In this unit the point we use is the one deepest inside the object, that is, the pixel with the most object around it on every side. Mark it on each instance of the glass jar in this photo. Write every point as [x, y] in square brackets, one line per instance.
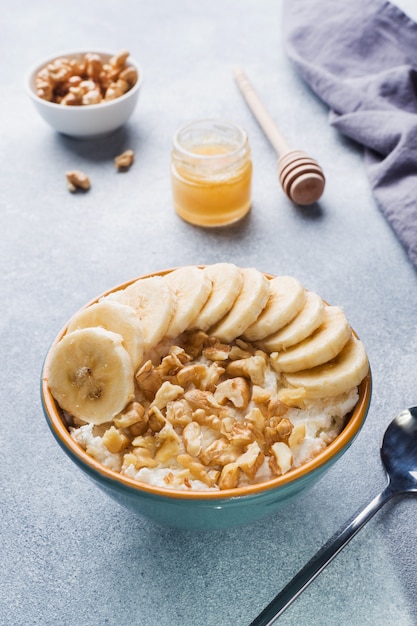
[211, 173]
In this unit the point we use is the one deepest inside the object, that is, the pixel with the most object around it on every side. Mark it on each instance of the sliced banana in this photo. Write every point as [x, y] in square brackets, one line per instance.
[91, 374]
[247, 307]
[322, 346]
[154, 303]
[303, 325]
[227, 280]
[286, 299]
[117, 317]
[191, 287]
[344, 372]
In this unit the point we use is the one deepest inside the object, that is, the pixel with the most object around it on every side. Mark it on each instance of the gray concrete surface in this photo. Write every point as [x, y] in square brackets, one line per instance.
[69, 555]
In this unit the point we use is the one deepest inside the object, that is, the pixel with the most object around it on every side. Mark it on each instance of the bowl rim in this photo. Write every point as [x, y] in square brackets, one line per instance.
[31, 72]
[334, 449]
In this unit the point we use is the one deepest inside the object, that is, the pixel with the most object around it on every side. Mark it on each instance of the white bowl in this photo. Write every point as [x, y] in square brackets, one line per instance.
[90, 120]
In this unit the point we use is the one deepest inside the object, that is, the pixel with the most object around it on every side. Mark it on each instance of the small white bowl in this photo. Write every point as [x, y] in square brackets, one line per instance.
[90, 120]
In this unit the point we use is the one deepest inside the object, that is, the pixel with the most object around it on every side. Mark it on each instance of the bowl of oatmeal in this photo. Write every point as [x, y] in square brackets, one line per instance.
[206, 397]
[86, 93]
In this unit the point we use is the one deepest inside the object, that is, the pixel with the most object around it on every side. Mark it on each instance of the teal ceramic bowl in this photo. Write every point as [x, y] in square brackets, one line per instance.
[203, 510]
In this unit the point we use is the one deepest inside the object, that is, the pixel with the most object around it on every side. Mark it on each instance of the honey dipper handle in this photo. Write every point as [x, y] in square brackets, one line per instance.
[260, 112]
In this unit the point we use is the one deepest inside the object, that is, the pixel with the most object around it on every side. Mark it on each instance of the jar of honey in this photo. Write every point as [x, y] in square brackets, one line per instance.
[211, 173]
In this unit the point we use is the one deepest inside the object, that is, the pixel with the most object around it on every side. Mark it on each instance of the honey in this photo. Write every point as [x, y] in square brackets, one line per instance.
[211, 173]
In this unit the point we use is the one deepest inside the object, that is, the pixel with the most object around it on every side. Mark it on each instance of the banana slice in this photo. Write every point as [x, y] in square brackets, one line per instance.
[117, 317]
[247, 307]
[335, 377]
[227, 280]
[302, 326]
[91, 374]
[287, 297]
[191, 287]
[154, 303]
[322, 346]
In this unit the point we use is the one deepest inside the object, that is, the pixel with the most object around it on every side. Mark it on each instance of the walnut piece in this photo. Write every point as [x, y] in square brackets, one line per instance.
[77, 180]
[234, 390]
[115, 440]
[124, 161]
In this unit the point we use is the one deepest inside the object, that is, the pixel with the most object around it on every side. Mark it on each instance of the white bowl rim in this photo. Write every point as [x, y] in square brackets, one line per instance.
[68, 53]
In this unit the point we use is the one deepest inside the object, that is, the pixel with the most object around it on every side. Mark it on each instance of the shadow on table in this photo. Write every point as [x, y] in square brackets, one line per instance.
[100, 149]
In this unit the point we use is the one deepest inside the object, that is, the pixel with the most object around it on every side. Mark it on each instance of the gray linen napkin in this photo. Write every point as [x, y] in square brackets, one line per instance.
[360, 58]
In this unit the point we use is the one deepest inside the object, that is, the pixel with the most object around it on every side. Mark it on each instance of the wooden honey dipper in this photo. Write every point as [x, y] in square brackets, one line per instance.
[301, 177]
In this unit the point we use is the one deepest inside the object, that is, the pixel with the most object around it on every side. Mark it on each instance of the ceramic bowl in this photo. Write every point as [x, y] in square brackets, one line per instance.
[203, 510]
[93, 120]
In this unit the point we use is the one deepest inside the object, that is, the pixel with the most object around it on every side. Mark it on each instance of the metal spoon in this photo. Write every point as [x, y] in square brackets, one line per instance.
[399, 457]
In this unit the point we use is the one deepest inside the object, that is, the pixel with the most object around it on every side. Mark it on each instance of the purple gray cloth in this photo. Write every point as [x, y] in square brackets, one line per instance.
[360, 58]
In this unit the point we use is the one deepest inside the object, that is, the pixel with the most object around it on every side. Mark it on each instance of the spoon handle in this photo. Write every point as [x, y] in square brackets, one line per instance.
[319, 561]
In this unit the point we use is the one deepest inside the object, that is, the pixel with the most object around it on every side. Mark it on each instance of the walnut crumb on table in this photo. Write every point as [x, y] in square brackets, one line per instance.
[77, 180]
[124, 161]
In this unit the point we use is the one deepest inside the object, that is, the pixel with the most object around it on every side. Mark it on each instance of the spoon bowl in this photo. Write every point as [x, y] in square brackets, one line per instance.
[399, 457]
[399, 452]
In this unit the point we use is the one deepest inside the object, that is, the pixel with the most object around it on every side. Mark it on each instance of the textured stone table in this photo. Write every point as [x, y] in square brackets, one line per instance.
[69, 556]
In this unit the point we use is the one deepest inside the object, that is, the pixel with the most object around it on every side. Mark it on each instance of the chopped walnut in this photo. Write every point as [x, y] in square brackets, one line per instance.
[240, 434]
[191, 374]
[156, 420]
[192, 438]
[218, 352]
[260, 395]
[166, 393]
[142, 457]
[77, 180]
[179, 413]
[119, 59]
[91, 97]
[148, 442]
[124, 161]
[197, 470]
[207, 419]
[292, 397]
[93, 66]
[297, 435]
[276, 408]
[172, 362]
[229, 478]
[114, 440]
[168, 443]
[205, 400]
[256, 418]
[242, 350]
[194, 343]
[278, 429]
[148, 379]
[252, 367]
[251, 460]
[219, 452]
[133, 413]
[129, 75]
[212, 377]
[234, 390]
[281, 458]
